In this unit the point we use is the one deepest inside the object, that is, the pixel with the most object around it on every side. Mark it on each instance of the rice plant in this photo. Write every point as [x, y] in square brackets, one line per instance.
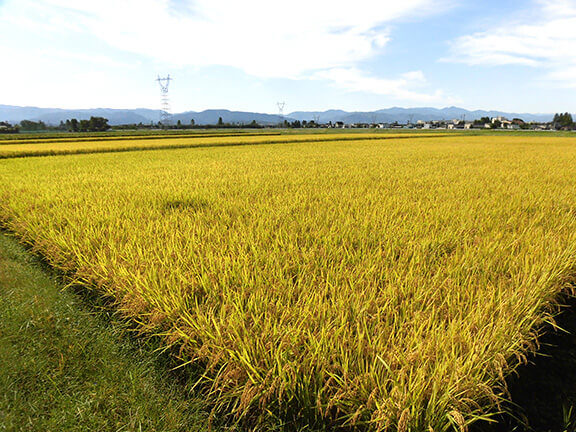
[387, 284]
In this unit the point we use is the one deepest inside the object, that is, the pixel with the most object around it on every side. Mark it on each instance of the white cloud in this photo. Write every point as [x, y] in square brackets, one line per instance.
[93, 59]
[545, 40]
[402, 88]
[261, 37]
[557, 8]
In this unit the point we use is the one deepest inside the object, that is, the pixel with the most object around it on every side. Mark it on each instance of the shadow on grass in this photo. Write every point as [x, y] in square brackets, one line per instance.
[544, 390]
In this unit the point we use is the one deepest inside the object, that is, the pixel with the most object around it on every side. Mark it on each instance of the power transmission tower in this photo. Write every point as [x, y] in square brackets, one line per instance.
[316, 118]
[281, 106]
[165, 116]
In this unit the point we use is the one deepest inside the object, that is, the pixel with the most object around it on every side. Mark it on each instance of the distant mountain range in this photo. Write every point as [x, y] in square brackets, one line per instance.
[403, 115]
[54, 116]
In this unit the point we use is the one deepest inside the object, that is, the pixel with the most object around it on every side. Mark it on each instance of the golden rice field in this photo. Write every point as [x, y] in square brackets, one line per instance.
[78, 137]
[57, 146]
[390, 284]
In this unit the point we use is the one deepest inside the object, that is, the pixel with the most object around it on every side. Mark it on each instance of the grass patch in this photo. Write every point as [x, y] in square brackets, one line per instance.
[65, 367]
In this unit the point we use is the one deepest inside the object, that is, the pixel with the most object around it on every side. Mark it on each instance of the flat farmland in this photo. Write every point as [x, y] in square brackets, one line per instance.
[389, 283]
[10, 148]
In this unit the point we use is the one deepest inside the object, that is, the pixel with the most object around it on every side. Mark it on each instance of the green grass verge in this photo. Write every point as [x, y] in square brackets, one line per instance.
[65, 368]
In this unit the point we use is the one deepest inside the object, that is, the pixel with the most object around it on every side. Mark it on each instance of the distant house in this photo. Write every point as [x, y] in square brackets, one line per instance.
[6, 127]
[500, 119]
[501, 122]
[456, 124]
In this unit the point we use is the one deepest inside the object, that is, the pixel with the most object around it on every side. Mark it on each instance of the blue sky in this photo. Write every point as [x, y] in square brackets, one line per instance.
[364, 55]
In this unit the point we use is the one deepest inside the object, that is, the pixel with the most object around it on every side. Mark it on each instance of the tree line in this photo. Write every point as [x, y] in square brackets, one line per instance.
[94, 124]
[561, 121]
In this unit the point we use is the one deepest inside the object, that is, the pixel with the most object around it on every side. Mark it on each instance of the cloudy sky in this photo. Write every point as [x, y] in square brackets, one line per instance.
[314, 55]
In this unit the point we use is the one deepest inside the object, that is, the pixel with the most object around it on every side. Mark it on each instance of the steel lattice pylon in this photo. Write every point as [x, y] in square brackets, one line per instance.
[165, 116]
[281, 106]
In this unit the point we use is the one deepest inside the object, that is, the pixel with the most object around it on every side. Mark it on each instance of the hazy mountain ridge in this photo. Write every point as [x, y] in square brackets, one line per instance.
[403, 115]
[211, 116]
[54, 116]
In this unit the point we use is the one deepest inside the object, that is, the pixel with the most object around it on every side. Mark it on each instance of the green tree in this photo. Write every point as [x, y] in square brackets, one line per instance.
[563, 121]
[98, 124]
[482, 121]
[73, 125]
[84, 125]
[220, 122]
[29, 125]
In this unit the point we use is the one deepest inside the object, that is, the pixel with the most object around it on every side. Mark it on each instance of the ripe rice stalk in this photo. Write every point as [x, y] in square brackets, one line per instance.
[380, 283]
